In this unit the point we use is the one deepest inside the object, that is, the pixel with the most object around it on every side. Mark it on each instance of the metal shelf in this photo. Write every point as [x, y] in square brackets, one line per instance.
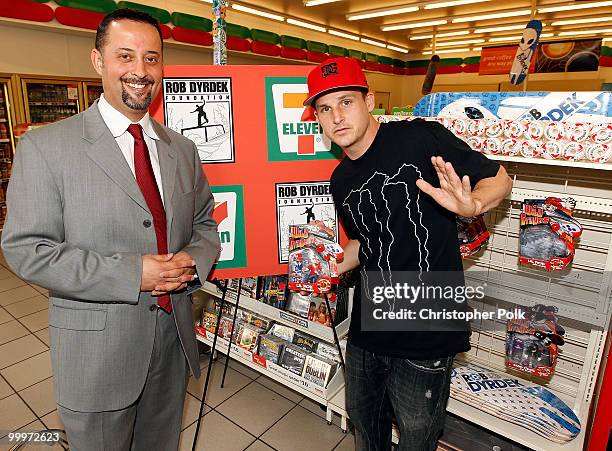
[53, 103]
[318, 330]
[275, 372]
[561, 163]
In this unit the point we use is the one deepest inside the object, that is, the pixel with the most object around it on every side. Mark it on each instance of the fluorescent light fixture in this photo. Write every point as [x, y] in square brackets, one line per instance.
[381, 12]
[573, 33]
[452, 3]
[406, 26]
[494, 29]
[448, 51]
[579, 21]
[310, 26]
[522, 12]
[554, 9]
[246, 9]
[343, 35]
[451, 43]
[476, 49]
[438, 35]
[207, 1]
[518, 38]
[423, 36]
[369, 41]
[318, 2]
[397, 49]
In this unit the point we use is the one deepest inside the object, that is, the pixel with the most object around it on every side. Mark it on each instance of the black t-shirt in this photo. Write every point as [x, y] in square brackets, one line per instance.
[418, 235]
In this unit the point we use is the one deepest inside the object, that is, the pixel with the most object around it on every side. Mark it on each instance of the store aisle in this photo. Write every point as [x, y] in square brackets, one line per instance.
[251, 412]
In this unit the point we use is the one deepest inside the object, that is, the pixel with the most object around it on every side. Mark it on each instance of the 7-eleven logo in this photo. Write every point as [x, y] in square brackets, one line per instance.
[228, 213]
[298, 130]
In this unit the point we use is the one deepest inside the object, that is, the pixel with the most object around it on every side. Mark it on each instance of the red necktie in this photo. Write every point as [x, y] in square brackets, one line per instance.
[146, 181]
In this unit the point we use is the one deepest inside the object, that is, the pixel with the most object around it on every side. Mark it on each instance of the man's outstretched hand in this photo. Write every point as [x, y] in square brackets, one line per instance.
[454, 194]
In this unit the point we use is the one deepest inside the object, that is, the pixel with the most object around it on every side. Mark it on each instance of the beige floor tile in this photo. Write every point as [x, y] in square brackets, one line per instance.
[191, 409]
[41, 290]
[269, 405]
[315, 408]
[348, 444]
[5, 389]
[234, 381]
[216, 434]
[14, 414]
[11, 331]
[20, 349]
[43, 335]
[28, 306]
[258, 445]
[5, 273]
[52, 421]
[36, 321]
[280, 389]
[4, 316]
[301, 430]
[8, 283]
[16, 295]
[40, 397]
[28, 372]
[249, 372]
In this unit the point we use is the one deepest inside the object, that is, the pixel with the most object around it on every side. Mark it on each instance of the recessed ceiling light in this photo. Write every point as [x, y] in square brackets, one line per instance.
[432, 5]
[369, 41]
[257, 12]
[522, 12]
[448, 51]
[451, 43]
[406, 26]
[318, 2]
[553, 9]
[599, 31]
[343, 35]
[397, 49]
[382, 12]
[579, 21]
[310, 26]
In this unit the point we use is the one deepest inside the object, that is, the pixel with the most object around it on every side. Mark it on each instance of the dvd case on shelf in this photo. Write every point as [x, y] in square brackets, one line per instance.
[318, 369]
[270, 347]
[293, 358]
[275, 291]
[305, 341]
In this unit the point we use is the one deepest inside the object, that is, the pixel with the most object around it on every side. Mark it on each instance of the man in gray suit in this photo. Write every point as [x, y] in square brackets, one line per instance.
[111, 212]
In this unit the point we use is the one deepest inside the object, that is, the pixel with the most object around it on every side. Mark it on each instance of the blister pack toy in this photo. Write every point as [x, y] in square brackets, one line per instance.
[548, 233]
[532, 343]
[473, 234]
[313, 254]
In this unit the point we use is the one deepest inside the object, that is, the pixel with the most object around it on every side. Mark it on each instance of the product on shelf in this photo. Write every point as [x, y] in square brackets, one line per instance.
[318, 369]
[209, 321]
[599, 153]
[270, 347]
[329, 351]
[312, 258]
[514, 129]
[305, 341]
[275, 291]
[547, 233]
[246, 336]
[249, 286]
[573, 151]
[243, 315]
[283, 332]
[601, 133]
[293, 359]
[225, 327]
[510, 147]
[532, 343]
[473, 234]
[552, 150]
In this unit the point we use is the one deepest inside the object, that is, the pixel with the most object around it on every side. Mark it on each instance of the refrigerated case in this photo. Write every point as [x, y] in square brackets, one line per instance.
[50, 100]
[7, 141]
[92, 91]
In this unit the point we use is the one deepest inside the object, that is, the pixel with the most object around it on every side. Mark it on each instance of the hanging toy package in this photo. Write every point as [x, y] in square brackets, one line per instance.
[313, 254]
[547, 234]
[532, 344]
[473, 234]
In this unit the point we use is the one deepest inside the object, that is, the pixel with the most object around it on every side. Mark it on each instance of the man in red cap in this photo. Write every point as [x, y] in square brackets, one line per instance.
[398, 191]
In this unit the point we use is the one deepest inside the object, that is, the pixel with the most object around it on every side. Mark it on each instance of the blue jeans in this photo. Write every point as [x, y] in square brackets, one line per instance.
[379, 387]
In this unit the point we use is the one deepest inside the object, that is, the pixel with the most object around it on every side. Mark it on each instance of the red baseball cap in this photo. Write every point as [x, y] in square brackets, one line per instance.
[335, 73]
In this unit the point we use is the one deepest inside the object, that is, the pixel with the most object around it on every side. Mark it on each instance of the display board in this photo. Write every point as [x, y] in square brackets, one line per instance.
[264, 154]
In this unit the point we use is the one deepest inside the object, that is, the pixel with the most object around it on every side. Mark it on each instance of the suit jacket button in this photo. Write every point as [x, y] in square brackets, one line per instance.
[153, 307]
[146, 223]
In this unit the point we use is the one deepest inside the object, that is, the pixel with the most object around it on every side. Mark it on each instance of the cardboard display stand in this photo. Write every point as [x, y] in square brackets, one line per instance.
[264, 154]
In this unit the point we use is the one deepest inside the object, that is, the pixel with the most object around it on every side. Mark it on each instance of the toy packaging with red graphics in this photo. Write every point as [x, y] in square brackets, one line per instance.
[548, 233]
[312, 259]
[532, 343]
[473, 235]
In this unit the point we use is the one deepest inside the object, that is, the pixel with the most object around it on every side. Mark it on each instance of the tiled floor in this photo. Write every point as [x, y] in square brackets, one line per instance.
[251, 411]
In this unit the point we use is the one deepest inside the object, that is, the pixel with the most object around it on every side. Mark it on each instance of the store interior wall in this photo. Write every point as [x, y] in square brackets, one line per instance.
[58, 52]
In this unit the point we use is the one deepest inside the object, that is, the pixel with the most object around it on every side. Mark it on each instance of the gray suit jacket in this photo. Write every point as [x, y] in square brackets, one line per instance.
[75, 226]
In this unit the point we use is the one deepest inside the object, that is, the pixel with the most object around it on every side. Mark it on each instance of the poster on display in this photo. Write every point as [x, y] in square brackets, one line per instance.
[300, 203]
[569, 56]
[498, 60]
[201, 110]
[268, 141]
[590, 107]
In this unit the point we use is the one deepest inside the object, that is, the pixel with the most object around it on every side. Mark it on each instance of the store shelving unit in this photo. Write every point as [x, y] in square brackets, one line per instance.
[7, 141]
[50, 100]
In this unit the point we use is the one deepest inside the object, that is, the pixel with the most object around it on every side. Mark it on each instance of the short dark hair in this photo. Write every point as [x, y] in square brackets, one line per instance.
[124, 14]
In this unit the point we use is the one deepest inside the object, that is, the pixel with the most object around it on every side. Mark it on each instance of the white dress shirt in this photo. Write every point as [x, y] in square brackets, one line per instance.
[118, 125]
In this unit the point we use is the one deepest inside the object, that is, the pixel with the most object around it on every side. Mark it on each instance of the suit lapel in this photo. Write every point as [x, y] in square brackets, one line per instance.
[105, 152]
[167, 163]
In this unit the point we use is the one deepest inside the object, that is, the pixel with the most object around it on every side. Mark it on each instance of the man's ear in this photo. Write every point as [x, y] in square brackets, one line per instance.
[96, 61]
[369, 100]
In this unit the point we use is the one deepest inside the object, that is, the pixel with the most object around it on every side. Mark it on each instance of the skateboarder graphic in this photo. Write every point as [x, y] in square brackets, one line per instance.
[310, 216]
[201, 114]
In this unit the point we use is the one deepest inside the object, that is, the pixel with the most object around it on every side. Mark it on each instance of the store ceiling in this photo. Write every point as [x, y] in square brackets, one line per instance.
[459, 18]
